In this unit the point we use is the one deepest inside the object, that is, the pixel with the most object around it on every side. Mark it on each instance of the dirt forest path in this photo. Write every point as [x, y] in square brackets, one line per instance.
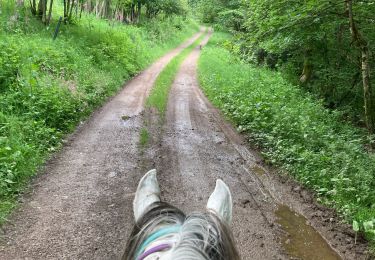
[195, 151]
[81, 207]
[196, 146]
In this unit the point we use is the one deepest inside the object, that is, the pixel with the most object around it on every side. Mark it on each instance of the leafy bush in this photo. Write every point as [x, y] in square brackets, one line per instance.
[294, 131]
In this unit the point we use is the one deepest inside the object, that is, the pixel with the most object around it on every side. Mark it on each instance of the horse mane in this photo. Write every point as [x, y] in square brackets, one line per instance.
[202, 235]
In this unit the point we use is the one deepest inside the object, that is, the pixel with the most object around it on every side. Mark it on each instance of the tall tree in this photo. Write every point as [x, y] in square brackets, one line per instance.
[363, 46]
[40, 10]
[69, 5]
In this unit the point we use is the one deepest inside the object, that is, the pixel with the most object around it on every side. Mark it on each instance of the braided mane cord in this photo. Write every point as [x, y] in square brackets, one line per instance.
[202, 235]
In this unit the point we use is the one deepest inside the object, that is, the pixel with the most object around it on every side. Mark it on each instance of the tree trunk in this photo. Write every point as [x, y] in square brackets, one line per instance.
[33, 7]
[97, 8]
[132, 14]
[80, 12]
[124, 15]
[139, 11]
[39, 11]
[44, 14]
[101, 11]
[307, 67]
[77, 5]
[362, 45]
[71, 10]
[367, 90]
[49, 12]
[65, 10]
[107, 9]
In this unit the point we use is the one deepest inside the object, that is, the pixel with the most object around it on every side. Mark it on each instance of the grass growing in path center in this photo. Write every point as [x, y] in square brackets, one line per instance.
[144, 136]
[159, 95]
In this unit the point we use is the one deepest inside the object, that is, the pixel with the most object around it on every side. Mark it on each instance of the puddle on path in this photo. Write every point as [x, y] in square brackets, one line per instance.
[303, 241]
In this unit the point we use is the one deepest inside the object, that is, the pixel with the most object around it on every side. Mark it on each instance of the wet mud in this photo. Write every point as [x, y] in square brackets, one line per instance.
[301, 240]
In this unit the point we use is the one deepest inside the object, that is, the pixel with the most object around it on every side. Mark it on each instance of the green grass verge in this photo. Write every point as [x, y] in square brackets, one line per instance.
[158, 97]
[47, 87]
[295, 132]
[144, 137]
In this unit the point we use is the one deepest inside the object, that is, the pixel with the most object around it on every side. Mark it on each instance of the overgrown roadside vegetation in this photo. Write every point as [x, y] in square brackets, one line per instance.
[325, 47]
[47, 87]
[294, 132]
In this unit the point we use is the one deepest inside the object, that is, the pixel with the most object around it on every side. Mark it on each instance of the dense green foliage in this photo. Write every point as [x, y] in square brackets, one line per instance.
[310, 42]
[47, 87]
[158, 97]
[294, 131]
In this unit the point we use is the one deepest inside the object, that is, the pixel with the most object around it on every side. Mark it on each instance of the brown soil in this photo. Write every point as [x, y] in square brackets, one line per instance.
[80, 208]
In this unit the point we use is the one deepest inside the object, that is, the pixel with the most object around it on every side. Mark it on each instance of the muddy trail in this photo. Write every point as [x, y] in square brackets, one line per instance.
[273, 217]
[80, 206]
